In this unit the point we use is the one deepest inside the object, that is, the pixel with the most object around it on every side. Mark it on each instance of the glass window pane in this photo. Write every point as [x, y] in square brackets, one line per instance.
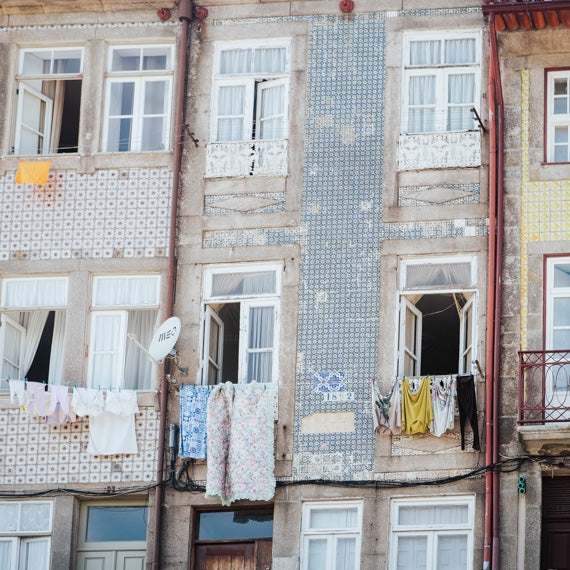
[461, 88]
[452, 552]
[110, 524]
[8, 517]
[261, 320]
[157, 59]
[126, 59]
[421, 120]
[561, 135]
[67, 61]
[229, 130]
[154, 97]
[125, 291]
[422, 90]
[34, 112]
[438, 275]
[561, 312]
[562, 275]
[412, 553]
[153, 134]
[561, 86]
[6, 546]
[269, 60]
[321, 519]
[235, 525]
[259, 367]
[433, 514]
[345, 554]
[460, 119]
[235, 61]
[560, 105]
[35, 554]
[213, 345]
[119, 135]
[35, 517]
[561, 339]
[233, 284]
[425, 52]
[122, 98]
[36, 63]
[317, 554]
[561, 153]
[460, 51]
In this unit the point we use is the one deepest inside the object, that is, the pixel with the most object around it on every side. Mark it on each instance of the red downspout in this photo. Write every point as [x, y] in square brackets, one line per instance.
[185, 15]
[490, 303]
[498, 298]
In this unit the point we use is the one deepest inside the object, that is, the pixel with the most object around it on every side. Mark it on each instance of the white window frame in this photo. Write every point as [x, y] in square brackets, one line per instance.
[23, 88]
[332, 534]
[556, 120]
[7, 320]
[246, 302]
[121, 312]
[20, 538]
[140, 78]
[433, 530]
[402, 303]
[553, 293]
[441, 73]
[251, 81]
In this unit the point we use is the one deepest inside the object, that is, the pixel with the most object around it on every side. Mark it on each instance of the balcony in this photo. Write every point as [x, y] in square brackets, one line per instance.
[544, 400]
[527, 15]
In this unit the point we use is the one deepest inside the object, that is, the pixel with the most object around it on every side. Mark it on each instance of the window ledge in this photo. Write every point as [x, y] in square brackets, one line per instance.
[244, 159]
[439, 150]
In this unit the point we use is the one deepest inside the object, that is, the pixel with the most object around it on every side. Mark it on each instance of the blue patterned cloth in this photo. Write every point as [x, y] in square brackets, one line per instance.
[193, 407]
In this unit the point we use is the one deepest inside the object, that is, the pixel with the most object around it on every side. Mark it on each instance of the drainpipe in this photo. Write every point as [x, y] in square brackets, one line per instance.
[490, 303]
[185, 10]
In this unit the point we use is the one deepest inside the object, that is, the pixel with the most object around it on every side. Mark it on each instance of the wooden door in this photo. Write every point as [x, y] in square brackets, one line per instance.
[555, 549]
[234, 556]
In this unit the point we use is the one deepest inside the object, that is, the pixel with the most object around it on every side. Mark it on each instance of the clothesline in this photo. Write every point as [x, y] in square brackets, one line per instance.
[66, 384]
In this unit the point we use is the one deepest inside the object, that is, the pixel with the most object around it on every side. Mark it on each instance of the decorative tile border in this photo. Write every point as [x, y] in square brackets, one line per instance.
[245, 204]
[420, 195]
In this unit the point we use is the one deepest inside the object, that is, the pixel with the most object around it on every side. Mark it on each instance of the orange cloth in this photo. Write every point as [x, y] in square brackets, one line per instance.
[33, 172]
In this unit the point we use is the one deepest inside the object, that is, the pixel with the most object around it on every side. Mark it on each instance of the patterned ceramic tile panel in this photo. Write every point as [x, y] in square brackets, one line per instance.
[111, 213]
[34, 452]
[417, 195]
[213, 205]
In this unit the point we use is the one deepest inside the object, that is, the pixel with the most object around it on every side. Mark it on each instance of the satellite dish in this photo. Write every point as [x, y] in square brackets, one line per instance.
[164, 338]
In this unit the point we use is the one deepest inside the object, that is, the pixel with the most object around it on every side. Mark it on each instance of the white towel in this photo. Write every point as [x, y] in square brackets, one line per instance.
[112, 434]
[17, 391]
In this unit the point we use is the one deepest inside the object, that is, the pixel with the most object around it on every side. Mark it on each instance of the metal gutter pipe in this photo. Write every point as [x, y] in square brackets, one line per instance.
[185, 10]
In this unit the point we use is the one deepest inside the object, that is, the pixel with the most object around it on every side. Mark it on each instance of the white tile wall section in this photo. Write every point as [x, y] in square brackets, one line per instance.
[34, 452]
[111, 213]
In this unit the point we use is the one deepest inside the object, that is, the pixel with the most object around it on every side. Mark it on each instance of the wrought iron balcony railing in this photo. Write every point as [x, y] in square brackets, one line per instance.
[544, 386]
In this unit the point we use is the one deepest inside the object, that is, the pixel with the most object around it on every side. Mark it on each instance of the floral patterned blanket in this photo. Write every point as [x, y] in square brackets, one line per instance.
[240, 443]
[193, 407]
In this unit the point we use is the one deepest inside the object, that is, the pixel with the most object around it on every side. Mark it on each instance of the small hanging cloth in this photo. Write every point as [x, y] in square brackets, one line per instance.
[417, 412]
[467, 403]
[443, 405]
[381, 408]
[193, 415]
[18, 392]
[58, 409]
[36, 399]
[87, 402]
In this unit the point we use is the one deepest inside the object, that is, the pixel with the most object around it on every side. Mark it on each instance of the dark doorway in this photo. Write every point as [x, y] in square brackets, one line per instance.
[555, 549]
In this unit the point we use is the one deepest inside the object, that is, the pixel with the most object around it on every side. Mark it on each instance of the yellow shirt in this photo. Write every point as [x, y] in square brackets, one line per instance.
[417, 413]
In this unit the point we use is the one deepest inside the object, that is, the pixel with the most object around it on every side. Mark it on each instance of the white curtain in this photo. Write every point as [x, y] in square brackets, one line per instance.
[317, 553]
[6, 546]
[425, 53]
[269, 60]
[433, 514]
[36, 554]
[126, 291]
[260, 362]
[138, 366]
[231, 284]
[322, 519]
[438, 275]
[421, 92]
[57, 349]
[235, 61]
[34, 323]
[345, 553]
[452, 552]
[460, 89]
[22, 293]
[412, 553]
[231, 111]
[460, 51]
[271, 112]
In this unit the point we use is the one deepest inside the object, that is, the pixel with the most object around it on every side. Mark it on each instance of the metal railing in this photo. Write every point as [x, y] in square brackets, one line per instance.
[544, 386]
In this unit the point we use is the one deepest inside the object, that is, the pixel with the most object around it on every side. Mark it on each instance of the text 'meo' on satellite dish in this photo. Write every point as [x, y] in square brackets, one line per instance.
[165, 338]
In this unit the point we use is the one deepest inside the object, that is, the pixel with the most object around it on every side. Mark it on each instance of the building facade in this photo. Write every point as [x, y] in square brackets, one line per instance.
[331, 170]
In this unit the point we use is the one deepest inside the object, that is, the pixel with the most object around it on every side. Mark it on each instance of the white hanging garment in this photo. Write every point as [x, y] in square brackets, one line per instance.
[112, 434]
[443, 404]
[87, 402]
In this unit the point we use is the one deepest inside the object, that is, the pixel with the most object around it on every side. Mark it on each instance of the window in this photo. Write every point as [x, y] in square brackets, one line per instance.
[25, 528]
[138, 98]
[434, 533]
[331, 536]
[112, 535]
[558, 116]
[441, 82]
[32, 328]
[122, 305]
[49, 95]
[241, 319]
[251, 88]
[437, 301]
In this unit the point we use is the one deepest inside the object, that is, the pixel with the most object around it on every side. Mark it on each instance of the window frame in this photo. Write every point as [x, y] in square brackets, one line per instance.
[550, 293]
[551, 122]
[139, 78]
[331, 534]
[402, 302]
[120, 310]
[246, 301]
[432, 530]
[21, 88]
[251, 81]
[441, 72]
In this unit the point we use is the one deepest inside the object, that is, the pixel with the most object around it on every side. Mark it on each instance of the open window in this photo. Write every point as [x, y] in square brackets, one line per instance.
[49, 97]
[436, 329]
[241, 319]
[32, 328]
[122, 305]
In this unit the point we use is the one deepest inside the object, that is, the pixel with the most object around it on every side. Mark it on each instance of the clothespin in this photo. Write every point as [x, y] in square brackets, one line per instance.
[75, 385]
